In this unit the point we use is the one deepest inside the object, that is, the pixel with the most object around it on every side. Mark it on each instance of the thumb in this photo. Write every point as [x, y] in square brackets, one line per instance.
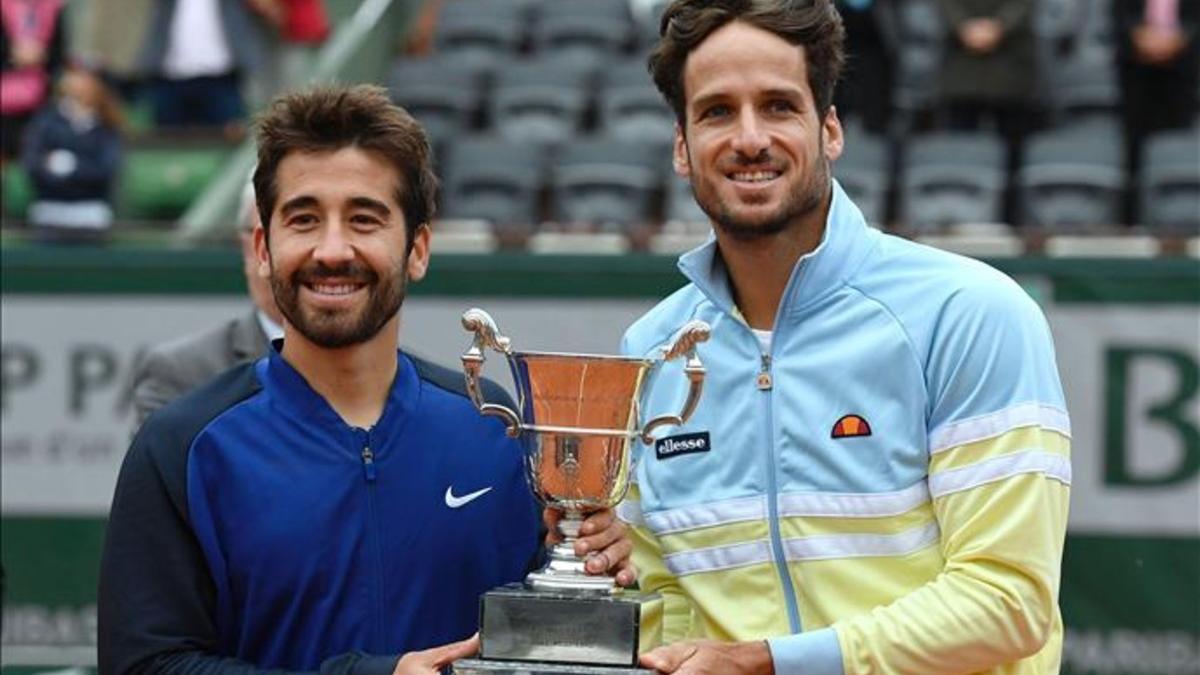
[447, 654]
[668, 659]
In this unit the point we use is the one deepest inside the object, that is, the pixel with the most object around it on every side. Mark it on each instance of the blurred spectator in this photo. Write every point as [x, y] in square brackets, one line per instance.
[112, 47]
[172, 369]
[301, 27]
[865, 92]
[1159, 63]
[198, 51]
[989, 72]
[419, 41]
[32, 46]
[72, 153]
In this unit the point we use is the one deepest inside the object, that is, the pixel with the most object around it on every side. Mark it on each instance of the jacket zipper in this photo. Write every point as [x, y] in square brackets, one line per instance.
[369, 472]
[765, 383]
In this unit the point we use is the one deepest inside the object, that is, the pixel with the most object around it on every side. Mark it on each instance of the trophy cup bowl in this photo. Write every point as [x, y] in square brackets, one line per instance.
[577, 422]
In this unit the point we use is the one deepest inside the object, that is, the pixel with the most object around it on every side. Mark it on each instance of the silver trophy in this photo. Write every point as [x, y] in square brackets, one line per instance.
[578, 420]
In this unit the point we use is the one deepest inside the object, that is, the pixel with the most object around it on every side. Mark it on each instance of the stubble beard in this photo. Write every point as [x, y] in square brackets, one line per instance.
[335, 329]
[797, 204]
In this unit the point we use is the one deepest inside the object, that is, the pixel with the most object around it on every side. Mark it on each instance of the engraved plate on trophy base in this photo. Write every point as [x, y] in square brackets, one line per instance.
[522, 624]
[481, 667]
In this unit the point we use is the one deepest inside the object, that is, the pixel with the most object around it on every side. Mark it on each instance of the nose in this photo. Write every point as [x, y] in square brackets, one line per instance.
[334, 247]
[750, 137]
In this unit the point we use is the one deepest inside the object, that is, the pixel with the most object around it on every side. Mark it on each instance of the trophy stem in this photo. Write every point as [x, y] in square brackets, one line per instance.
[565, 570]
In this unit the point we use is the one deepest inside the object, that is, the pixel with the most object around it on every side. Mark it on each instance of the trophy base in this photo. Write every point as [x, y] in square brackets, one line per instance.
[561, 627]
[482, 667]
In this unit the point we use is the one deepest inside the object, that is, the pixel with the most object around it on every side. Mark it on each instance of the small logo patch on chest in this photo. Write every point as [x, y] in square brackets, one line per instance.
[850, 426]
[683, 444]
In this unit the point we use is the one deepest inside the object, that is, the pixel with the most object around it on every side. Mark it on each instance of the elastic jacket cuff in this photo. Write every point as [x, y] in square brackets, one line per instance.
[810, 653]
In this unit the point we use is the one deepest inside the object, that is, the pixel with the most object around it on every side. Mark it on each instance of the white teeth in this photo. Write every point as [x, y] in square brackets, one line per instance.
[328, 289]
[755, 176]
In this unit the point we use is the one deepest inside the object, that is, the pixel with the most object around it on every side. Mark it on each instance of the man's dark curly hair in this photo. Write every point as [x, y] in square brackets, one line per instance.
[328, 118]
[812, 24]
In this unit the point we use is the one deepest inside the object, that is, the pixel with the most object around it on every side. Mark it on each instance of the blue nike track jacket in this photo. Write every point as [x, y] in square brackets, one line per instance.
[252, 528]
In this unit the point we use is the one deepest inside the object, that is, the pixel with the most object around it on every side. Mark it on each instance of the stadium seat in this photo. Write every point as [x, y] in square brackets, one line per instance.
[952, 177]
[17, 191]
[863, 171]
[605, 181]
[1072, 178]
[540, 101]
[582, 31]
[1083, 88]
[494, 179]
[159, 181]
[630, 108]
[480, 32]
[681, 207]
[1170, 182]
[443, 96]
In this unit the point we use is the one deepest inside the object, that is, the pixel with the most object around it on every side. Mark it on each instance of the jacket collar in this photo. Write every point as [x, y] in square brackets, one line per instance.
[293, 392]
[844, 243]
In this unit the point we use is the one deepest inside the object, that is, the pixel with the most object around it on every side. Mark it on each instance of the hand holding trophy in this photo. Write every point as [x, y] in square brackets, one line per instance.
[577, 423]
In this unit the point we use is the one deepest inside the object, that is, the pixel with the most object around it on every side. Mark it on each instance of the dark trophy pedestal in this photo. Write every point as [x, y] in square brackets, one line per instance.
[543, 632]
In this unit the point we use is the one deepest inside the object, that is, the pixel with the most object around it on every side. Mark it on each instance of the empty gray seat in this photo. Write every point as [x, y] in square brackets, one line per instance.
[540, 101]
[863, 171]
[480, 31]
[950, 178]
[445, 97]
[1072, 178]
[920, 55]
[494, 179]
[631, 108]
[582, 30]
[605, 181]
[1170, 182]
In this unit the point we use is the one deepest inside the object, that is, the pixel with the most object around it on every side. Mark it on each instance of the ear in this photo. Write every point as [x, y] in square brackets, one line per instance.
[833, 139]
[418, 257]
[261, 251]
[679, 154]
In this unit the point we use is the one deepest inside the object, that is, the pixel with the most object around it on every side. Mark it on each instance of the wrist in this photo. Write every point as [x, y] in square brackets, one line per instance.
[757, 657]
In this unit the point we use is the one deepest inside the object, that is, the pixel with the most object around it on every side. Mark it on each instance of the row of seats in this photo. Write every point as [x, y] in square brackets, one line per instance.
[1071, 178]
[480, 31]
[541, 101]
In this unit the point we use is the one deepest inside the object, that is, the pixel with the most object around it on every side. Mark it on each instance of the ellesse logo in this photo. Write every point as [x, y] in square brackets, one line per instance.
[684, 444]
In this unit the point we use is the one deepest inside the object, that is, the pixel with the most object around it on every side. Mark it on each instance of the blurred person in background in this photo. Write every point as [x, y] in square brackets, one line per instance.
[173, 368]
[301, 27]
[197, 53]
[865, 92]
[989, 69]
[72, 153]
[112, 47]
[32, 47]
[1158, 61]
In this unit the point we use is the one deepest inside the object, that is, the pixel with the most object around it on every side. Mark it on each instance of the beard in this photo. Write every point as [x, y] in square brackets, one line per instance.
[333, 329]
[802, 199]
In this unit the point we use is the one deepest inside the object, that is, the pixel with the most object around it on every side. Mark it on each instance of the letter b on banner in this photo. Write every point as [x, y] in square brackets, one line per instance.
[1175, 411]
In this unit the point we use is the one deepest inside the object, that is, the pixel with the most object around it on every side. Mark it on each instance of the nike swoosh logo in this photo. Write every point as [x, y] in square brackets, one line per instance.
[457, 502]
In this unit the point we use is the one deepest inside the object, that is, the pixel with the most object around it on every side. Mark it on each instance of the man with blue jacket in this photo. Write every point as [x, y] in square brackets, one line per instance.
[338, 503]
[876, 478]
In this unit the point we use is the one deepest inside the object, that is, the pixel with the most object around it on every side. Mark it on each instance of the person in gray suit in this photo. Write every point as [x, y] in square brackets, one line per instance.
[173, 368]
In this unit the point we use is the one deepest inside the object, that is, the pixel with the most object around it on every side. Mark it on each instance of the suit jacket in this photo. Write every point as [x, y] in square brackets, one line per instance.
[173, 368]
[1008, 73]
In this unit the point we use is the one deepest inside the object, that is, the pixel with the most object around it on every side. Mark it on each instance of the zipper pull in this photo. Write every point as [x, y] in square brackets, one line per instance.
[764, 381]
[368, 460]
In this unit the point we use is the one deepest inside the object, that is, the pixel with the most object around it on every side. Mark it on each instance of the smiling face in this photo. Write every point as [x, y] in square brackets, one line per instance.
[752, 144]
[338, 259]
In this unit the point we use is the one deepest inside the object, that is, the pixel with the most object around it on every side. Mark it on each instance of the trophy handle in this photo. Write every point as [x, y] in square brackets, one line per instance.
[480, 323]
[692, 334]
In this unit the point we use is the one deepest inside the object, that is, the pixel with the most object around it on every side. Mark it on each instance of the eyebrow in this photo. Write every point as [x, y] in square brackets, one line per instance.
[308, 202]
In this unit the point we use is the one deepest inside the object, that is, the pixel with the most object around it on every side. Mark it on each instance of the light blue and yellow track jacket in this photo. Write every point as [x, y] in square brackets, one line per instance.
[885, 491]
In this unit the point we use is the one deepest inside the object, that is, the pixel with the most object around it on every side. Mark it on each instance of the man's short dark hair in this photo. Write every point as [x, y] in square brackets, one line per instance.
[812, 24]
[328, 118]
